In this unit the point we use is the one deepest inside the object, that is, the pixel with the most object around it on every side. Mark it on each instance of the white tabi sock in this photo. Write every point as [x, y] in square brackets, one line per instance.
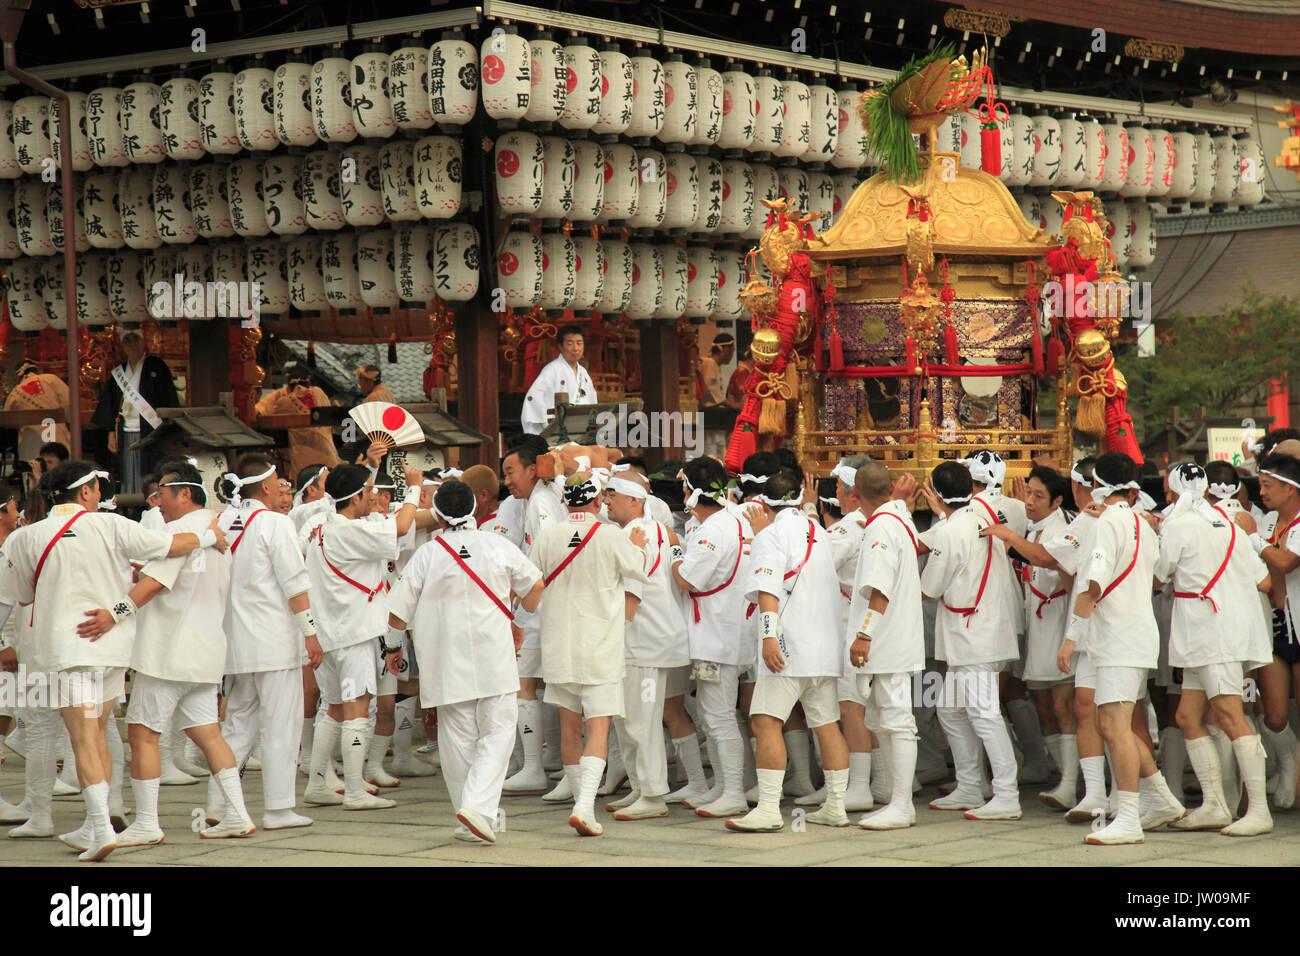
[860, 769]
[233, 790]
[531, 733]
[308, 738]
[117, 761]
[403, 728]
[96, 797]
[1094, 777]
[590, 770]
[688, 753]
[146, 802]
[327, 736]
[1205, 761]
[353, 742]
[376, 752]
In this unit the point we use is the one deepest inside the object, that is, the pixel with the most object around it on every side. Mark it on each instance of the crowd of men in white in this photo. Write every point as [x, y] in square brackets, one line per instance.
[534, 624]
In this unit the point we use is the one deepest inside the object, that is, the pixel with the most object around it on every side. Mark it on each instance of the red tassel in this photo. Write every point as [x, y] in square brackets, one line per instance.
[991, 151]
[1036, 351]
[950, 344]
[911, 353]
[1055, 352]
[836, 348]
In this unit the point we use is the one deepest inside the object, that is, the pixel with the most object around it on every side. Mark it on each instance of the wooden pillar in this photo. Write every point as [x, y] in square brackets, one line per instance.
[209, 362]
[659, 375]
[478, 393]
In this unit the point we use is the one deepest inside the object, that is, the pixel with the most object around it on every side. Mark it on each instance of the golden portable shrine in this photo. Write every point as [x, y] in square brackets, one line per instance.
[913, 329]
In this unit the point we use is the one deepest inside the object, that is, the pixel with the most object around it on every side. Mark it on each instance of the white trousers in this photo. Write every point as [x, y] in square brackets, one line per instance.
[640, 733]
[267, 706]
[43, 726]
[717, 704]
[475, 738]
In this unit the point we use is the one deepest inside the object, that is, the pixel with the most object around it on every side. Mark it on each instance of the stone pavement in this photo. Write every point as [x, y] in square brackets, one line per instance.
[418, 833]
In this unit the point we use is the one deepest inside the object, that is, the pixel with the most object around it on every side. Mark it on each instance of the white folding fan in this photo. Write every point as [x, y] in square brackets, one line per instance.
[390, 424]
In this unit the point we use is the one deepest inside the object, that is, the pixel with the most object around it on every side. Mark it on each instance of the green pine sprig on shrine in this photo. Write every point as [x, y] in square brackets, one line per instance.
[889, 137]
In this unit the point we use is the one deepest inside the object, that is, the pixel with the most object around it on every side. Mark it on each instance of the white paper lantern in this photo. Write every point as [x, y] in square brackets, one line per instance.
[1032, 206]
[81, 161]
[23, 282]
[1047, 150]
[1207, 173]
[1115, 161]
[244, 196]
[361, 186]
[171, 206]
[769, 123]
[851, 144]
[254, 103]
[731, 280]
[31, 125]
[104, 127]
[1017, 145]
[372, 112]
[397, 166]
[1162, 181]
[1142, 230]
[1186, 165]
[208, 201]
[292, 105]
[322, 202]
[331, 100]
[646, 292]
[548, 81]
[1228, 170]
[821, 199]
[676, 278]
[29, 218]
[438, 175]
[582, 83]
[683, 208]
[99, 200]
[708, 101]
[455, 262]
[282, 195]
[793, 185]
[408, 88]
[1094, 153]
[796, 127]
[54, 217]
[158, 279]
[1140, 178]
[709, 217]
[228, 270]
[306, 277]
[141, 124]
[1250, 180]
[559, 271]
[506, 70]
[339, 265]
[179, 117]
[738, 201]
[136, 206]
[616, 289]
[647, 98]
[588, 181]
[376, 268]
[824, 120]
[652, 191]
[519, 166]
[559, 165]
[615, 93]
[519, 270]
[218, 127]
[589, 277]
[267, 268]
[767, 185]
[701, 282]
[1120, 232]
[453, 81]
[948, 134]
[1074, 154]
[846, 185]
[9, 248]
[968, 143]
[1053, 215]
[52, 292]
[9, 168]
[622, 179]
[92, 291]
[739, 95]
[681, 101]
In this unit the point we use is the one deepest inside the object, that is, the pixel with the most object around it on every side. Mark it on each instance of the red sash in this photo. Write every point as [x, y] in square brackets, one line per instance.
[1137, 546]
[235, 546]
[659, 530]
[812, 527]
[1027, 575]
[487, 519]
[696, 595]
[369, 592]
[968, 612]
[475, 578]
[45, 554]
[1204, 594]
[572, 554]
[1280, 536]
[900, 521]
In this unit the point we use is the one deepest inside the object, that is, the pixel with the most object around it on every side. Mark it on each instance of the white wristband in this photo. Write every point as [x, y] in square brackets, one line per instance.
[1077, 628]
[1259, 543]
[676, 554]
[769, 625]
[412, 496]
[868, 624]
[306, 625]
[393, 639]
[207, 538]
[123, 609]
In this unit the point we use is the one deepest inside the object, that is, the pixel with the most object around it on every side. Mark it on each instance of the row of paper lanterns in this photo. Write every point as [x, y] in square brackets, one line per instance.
[375, 268]
[1129, 159]
[1131, 226]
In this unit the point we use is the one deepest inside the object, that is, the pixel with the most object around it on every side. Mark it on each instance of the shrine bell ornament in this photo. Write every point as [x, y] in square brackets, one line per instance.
[652, 190]
[1142, 235]
[372, 111]
[519, 164]
[681, 103]
[676, 269]
[796, 127]
[505, 68]
[647, 99]
[1207, 170]
[738, 202]
[1165, 155]
[622, 176]
[646, 292]
[589, 272]
[26, 305]
[361, 186]
[375, 268]
[701, 282]
[209, 202]
[453, 81]
[455, 262]
[589, 181]
[141, 126]
[306, 278]
[1074, 160]
[291, 104]
[616, 289]
[218, 128]
[255, 109]
[770, 106]
[1228, 169]
[31, 136]
[135, 206]
[559, 272]
[1140, 179]
[9, 168]
[397, 169]
[616, 93]
[559, 168]
[179, 117]
[439, 172]
[739, 95]
[244, 196]
[146, 134]
[331, 100]
[708, 102]
[1047, 149]
[282, 195]
[100, 204]
[322, 202]
[731, 280]
[519, 270]
[824, 120]
[171, 212]
[548, 80]
[408, 88]
[264, 263]
[683, 207]
[413, 256]
[1252, 170]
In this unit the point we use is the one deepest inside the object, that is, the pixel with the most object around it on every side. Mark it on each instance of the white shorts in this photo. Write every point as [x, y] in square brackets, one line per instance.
[154, 701]
[847, 687]
[776, 696]
[530, 662]
[590, 700]
[678, 682]
[1047, 684]
[1216, 680]
[1085, 673]
[90, 687]
[1116, 684]
[889, 702]
[348, 673]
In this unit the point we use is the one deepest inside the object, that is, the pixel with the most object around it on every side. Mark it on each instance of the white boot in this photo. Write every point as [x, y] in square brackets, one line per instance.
[182, 749]
[103, 840]
[1213, 813]
[304, 746]
[1093, 804]
[355, 794]
[170, 775]
[567, 788]
[1065, 793]
[715, 791]
[1125, 829]
[615, 771]
[882, 779]
[1228, 763]
[1164, 806]
[967, 758]
[832, 812]
[117, 811]
[583, 818]
[898, 814]
[767, 815]
[532, 778]
[320, 789]
[798, 781]
[405, 761]
[374, 768]
[1249, 752]
[548, 721]
[643, 808]
[1173, 759]
[145, 831]
[732, 800]
[688, 755]
[1284, 743]
[632, 797]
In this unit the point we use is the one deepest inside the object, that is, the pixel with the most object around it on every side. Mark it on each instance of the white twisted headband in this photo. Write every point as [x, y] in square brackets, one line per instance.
[453, 522]
[625, 487]
[239, 483]
[845, 474]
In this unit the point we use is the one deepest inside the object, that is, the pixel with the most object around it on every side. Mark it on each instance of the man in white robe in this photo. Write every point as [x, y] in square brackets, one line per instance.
[561, 374]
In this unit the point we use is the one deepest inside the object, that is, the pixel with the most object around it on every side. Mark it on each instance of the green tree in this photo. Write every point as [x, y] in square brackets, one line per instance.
[1220, 361]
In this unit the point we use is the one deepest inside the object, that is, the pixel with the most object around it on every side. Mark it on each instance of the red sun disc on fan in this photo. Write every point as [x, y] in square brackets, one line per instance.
[394, 418]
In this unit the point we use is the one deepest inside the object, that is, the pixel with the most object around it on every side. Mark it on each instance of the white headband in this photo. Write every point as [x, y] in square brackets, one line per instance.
[85, 479]
[952, 501]
[297, 498]
[108, 504]
[697, 493]
[351, 495]
[828, 501]
[989, 472]
[453, 522]
[190, 484]
[752, 479]
[625, 487]
[777, 502]
[1101, 490]
[845, 474]
[447, 474]
[1282, 478]
[1076, 475]
[1224, 491]
[1189, 483]
[239, 483]
[615, 469]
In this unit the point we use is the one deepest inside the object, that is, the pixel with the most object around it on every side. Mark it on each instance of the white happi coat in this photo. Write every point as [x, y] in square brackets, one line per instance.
[1122, 630]
[557, 376]
[1046, 607]
[360, 549]
[656, 637]
[887, 562]
[714, 557]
